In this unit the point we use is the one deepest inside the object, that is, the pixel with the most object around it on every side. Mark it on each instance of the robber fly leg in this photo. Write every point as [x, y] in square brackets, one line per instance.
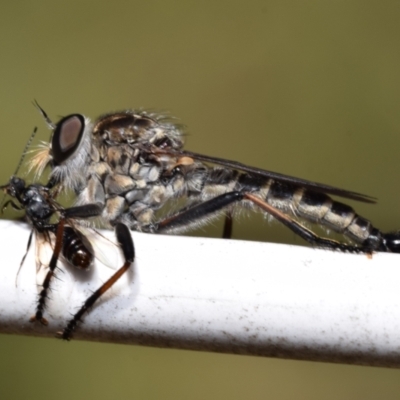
[84, 211]
[202, 210]
[228, 225]
[125, 241]
[197, 212]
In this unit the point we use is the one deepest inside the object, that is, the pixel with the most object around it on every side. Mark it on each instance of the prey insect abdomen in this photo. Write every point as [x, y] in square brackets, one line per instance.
[77, 249]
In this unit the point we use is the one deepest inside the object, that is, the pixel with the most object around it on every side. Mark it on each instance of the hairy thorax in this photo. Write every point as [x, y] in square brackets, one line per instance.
[131, 172]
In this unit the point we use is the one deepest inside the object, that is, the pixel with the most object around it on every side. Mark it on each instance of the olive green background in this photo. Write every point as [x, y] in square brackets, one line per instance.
[306, 88]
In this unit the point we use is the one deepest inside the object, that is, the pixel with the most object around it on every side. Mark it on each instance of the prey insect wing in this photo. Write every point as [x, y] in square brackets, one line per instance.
[105, 250]
[43, 252]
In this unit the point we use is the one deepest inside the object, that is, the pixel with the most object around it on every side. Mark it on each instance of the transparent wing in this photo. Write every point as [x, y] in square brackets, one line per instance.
[43, 253]
[318, 187]
[106, 250]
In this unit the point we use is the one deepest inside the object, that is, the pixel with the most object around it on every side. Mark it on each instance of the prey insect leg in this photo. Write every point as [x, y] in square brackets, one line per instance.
[13, 205]
[28, 246]
[43, 295]
[125, 241]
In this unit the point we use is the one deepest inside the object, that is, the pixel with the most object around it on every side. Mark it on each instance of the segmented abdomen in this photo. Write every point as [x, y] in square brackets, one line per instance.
[300, 202]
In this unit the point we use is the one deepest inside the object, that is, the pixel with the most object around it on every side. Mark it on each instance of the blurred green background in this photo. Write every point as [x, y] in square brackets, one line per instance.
[306, 88]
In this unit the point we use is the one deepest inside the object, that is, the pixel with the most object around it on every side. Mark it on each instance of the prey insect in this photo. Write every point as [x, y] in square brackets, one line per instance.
[38, 202]
[132, 165]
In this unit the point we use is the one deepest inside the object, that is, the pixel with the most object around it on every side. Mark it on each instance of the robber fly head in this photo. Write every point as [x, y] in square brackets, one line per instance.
[76, 143]
[67, 152]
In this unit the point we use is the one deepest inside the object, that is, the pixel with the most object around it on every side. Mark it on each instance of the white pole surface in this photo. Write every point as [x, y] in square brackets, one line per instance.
[219, 295]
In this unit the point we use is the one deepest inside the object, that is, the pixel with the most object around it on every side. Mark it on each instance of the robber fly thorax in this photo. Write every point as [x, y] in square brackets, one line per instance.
[132, 165]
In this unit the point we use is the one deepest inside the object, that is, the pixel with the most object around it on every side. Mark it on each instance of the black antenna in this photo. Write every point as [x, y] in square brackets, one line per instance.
[49, 122]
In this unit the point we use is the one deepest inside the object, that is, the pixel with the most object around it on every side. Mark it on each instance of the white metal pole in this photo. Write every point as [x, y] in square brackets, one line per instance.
[220, 295]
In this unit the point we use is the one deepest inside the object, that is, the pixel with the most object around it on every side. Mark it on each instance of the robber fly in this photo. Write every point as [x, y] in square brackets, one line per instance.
[131, 165]
[38, 202]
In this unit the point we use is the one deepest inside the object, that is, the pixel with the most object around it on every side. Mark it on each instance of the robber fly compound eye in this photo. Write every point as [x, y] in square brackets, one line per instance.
[67, 137]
